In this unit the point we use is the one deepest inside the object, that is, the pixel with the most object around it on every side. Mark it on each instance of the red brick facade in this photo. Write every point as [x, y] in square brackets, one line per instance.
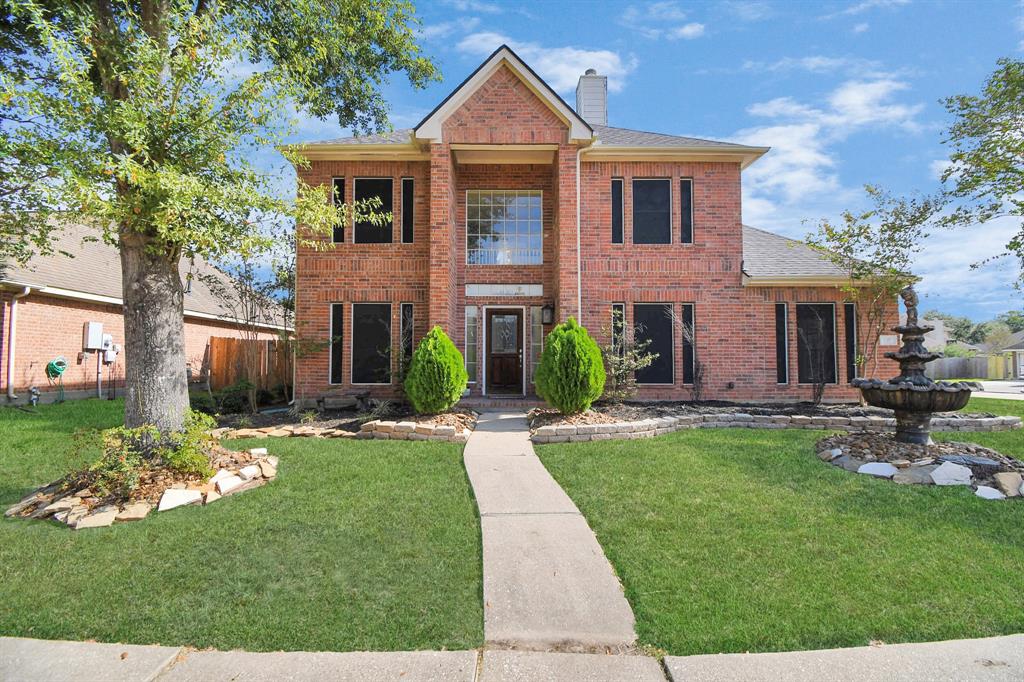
[734, 323]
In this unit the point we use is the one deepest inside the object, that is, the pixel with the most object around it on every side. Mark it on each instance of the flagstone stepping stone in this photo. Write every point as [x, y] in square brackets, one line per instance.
[951, 474]
[249, 472]
[99, 519]
[1010, 483]
[176, 497]
[258, 452]
[878, 469]
[134, 512]
[921, 475]
[988, 493]
[229, 483]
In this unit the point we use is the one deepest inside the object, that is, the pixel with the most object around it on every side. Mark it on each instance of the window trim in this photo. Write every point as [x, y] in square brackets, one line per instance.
[352, 343]
[536, 342]
[850, 363]
[412, 329]
[622, 210]
[476, 341]
[785, 340]
[693, 343]
[465, 225]
[682, 239]
[673, 333]
[621, 330]
[355, 182]
[412, 211]
[835, 344]
[344, 187]
[330, 348]
[632, 205]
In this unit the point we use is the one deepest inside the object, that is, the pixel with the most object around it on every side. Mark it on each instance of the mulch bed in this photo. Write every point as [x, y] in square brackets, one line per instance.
[349, 419]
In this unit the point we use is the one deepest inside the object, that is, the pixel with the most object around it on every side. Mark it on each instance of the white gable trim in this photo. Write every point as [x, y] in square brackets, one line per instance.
[430, 129]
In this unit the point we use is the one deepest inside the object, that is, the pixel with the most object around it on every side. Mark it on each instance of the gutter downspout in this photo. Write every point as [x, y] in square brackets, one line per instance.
[11, 341]
[579, 258]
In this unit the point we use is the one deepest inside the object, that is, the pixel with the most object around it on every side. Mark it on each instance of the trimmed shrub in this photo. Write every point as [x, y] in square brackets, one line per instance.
[437, 374]
[570, 375]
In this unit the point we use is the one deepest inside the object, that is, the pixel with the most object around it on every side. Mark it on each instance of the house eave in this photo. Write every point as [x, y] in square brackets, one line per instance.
[360, 152]
[742, 155]
[795, 281]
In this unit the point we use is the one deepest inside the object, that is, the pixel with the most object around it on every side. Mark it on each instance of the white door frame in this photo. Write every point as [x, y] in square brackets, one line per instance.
[486, 345]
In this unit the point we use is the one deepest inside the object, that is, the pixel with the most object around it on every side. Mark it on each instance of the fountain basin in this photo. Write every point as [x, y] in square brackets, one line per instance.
[914, 404]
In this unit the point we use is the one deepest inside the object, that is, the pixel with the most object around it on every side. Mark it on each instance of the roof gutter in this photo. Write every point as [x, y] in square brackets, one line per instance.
[12, 338]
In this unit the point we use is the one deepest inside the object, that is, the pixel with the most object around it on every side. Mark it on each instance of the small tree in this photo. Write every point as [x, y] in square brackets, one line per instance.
[624, 355]
[437, 374]
[874, 250]
[997, 337]
[570, 375]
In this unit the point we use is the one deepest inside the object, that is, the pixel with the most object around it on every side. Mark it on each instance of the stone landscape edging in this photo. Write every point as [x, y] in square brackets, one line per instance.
[656, 426]
[377, 429]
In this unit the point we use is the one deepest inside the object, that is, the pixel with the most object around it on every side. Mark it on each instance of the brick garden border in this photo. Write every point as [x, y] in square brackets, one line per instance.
[656, 426]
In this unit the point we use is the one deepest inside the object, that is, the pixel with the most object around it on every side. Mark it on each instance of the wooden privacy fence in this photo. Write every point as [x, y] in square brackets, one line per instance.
[227, 364]
[981, 367]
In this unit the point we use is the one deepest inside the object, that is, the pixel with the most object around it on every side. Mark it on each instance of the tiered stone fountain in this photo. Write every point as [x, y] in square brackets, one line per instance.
[913, 396]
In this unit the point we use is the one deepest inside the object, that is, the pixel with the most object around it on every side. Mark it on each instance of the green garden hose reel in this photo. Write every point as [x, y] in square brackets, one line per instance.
[55, 373]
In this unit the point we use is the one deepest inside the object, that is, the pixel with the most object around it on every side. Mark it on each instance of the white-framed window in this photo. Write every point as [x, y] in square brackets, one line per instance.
[469, 352]
[504, 227]
[536, 338]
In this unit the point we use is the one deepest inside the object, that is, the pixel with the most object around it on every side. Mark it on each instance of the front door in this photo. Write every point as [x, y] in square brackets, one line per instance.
[504, 351]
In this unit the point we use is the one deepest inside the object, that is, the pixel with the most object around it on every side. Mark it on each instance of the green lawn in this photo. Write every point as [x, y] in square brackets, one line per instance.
[1007, 442]
[742, 540]
[357, 545]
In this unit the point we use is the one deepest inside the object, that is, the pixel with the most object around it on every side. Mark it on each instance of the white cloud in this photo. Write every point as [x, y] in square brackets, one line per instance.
[447, 28]
[937, 167]
[661, 20]
[867, 5]
[473, 6]
[750, 10]
[815, 64]
[561, 67]
[861, 27]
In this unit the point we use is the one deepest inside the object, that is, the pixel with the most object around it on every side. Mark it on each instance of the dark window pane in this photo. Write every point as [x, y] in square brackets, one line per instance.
[653, 322]
[367, 232]
[407, 210]
[781, 344]
[337, 324]
[816, 343]
[406, 331]
[617, 211]
[686, 209]
[371, 343]
[339, 198]
[652, 212]
[850, 317]
[618, 327]
[688, 344]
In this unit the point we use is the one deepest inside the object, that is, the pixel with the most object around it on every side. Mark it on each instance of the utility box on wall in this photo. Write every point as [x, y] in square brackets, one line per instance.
[92, 336]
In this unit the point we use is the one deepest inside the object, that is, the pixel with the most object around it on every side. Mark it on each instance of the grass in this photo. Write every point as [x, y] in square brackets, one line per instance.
[357, 545]
[1007, 442]
[742, 540]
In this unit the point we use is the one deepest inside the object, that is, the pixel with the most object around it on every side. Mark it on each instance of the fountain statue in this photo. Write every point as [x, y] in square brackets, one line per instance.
[913, 396]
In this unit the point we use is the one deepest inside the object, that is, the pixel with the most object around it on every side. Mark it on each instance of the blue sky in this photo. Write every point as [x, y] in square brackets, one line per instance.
[846, 93]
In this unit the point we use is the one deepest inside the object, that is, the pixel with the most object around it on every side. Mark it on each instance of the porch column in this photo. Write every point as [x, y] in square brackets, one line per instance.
[566, 262]
[442, 235]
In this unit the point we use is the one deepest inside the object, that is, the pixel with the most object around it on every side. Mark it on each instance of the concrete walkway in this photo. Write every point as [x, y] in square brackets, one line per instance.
[547, 583]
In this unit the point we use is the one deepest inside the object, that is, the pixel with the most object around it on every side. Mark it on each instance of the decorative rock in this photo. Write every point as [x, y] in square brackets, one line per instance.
[405, 427]
[100, 519]
[29, 501]
[75, 514]
[134, 512]
[385, 426]
[258, 452]
[829, 455]
[951, 474]
[177, 497]
[279, 433]
[178, 486]
[915, 475]
[444, 430]
[267, 469]
[848, 463]
[212, 496]
[1010, 482]
[226, 485]
[901, 463]
[63, 504]
[924, 461]
[988, 493]
[220, 476]
[878, 469]
[250, 472]
[273, 461]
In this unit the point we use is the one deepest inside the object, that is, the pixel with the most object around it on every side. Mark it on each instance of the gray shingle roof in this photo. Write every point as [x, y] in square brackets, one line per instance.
[766, 254]
[1017, 342]
[399, 136]
[95, 268]
[624, 137]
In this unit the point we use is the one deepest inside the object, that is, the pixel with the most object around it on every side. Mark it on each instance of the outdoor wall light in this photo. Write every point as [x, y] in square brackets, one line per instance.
[547, 314]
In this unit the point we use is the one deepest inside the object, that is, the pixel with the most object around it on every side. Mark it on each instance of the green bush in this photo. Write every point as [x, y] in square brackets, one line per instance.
[188, 452]
[437, 374]
[234, 399]
[201, 401]
[570, 375]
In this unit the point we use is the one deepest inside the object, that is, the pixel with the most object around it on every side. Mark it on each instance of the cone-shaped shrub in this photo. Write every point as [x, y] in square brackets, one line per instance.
[571, 374]
[437, 374]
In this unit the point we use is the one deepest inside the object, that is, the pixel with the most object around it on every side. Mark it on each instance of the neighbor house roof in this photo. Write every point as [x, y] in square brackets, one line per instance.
[771, 259]
[1017, 341]
[91, 271]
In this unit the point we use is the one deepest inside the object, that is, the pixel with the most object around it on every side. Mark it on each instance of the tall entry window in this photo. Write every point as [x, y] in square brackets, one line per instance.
[504, 227]
[371, 343]
[816, 343]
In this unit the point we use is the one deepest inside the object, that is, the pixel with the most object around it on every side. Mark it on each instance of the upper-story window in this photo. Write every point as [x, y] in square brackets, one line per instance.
[504, 227]
[366, 231]
[652, 211]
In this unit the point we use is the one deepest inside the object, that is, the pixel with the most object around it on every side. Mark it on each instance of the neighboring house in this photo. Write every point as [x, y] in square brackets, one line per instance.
[512, 211]
[1016, 350]
[935, 340]
[45, 305]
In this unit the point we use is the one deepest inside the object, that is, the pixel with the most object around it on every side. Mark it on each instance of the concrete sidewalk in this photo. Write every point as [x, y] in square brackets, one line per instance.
[547, 583]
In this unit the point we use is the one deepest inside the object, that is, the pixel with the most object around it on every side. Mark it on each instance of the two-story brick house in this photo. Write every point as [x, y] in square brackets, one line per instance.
[512, 211]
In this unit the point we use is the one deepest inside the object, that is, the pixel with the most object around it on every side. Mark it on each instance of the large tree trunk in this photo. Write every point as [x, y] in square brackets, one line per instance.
[156, 385]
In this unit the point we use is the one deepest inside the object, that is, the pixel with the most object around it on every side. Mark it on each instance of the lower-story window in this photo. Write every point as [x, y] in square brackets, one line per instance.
[536, 338]
[689, 344]
[371, 343]
[850, 318]
[816, 343]
[470, 349]
[337, 324]
[653, 322]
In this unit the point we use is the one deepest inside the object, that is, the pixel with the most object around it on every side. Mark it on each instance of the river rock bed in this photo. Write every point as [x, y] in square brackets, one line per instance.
[71, 501]
[991, 474]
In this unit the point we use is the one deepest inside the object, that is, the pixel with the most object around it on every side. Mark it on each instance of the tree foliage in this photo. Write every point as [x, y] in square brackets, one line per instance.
[624, 355]
[1013, 319]
[959, 329]
[571, 375]
[986, 167]
[437, 375]
[875, 251]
